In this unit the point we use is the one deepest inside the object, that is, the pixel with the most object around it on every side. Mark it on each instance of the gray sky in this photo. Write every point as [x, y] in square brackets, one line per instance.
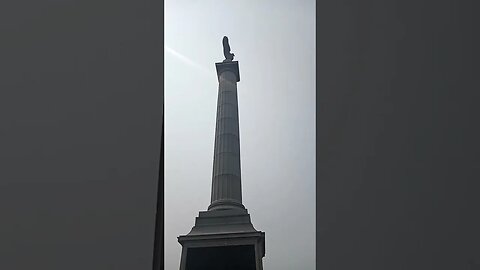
[274, 43]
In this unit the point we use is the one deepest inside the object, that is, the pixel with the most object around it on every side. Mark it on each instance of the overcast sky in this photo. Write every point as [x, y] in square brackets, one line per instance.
[274, 43]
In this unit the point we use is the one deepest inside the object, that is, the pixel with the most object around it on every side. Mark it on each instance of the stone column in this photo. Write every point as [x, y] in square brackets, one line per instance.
[226, 177]
[224, 235]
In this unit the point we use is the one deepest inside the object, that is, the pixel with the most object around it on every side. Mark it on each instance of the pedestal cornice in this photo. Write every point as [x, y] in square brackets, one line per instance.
[228, 66]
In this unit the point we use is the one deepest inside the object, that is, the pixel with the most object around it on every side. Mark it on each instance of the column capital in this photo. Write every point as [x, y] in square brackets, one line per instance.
[228, 66]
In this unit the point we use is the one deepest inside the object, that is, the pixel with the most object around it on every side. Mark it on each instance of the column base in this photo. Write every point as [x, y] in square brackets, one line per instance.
[225, 205]
[223, 240]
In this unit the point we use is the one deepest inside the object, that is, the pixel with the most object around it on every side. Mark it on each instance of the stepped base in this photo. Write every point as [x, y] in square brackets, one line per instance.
[223, 239]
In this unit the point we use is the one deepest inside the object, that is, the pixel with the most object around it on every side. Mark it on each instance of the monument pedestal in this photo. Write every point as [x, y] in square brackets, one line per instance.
[221, 240]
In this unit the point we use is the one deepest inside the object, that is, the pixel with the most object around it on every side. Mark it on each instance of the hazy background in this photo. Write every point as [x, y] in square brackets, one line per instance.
[274, 43]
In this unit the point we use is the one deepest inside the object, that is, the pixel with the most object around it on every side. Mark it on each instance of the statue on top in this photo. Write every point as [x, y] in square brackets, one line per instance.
[226, 50]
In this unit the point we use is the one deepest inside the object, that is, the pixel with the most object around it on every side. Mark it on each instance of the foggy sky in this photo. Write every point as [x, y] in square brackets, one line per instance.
[274, 43]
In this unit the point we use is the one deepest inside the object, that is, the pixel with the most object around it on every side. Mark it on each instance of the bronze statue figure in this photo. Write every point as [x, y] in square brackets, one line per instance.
[226, 50]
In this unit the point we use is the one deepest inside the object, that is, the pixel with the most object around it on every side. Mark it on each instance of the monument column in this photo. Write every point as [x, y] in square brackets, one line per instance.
[223, 236]
[226, 176]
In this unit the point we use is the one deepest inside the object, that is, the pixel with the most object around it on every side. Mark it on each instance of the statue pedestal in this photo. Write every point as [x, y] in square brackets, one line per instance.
[223, 239]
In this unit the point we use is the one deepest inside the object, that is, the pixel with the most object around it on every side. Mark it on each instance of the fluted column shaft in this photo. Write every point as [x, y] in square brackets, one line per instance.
[226, 177]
